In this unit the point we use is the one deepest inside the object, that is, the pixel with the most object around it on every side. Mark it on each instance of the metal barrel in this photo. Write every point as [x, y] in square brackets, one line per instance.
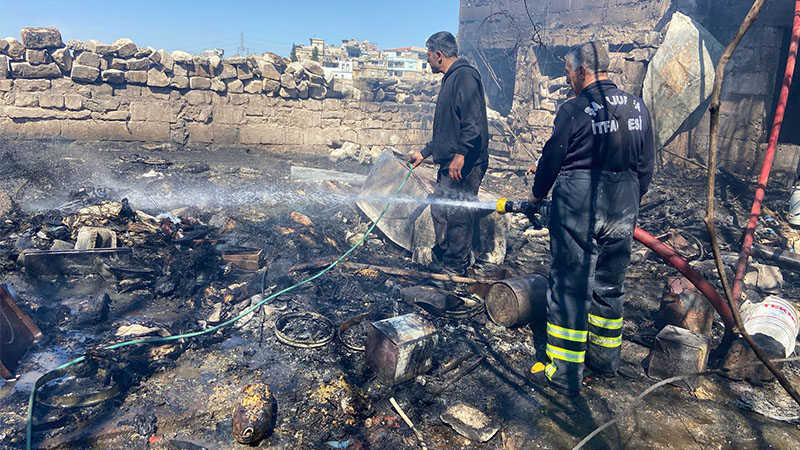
[516, 301]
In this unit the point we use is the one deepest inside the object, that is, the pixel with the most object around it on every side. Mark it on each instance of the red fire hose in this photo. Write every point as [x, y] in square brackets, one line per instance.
[669, 255]
[747, 241]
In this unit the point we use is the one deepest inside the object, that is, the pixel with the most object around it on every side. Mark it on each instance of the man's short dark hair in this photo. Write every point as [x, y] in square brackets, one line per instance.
[591, 55]
[444, 42]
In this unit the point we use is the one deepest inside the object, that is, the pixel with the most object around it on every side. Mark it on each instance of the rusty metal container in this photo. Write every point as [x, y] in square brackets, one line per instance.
[400, 348]
[685, 307]
[17, 332]
[677, 351]
[516, 301]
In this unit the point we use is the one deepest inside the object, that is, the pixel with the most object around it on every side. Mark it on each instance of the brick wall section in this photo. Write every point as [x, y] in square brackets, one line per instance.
[62, 108]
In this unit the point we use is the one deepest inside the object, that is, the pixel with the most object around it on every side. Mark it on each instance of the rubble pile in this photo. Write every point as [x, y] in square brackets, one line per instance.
[191, 268]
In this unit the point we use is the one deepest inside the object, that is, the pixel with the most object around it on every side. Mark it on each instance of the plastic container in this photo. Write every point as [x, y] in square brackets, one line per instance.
[774, 317]
[794, 206]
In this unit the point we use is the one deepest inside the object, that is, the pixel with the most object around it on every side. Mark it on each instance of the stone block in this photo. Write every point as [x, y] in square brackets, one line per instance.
[51, 100]
[113, 76]
[3, 67]
[181, 57]
[26, 99]
[199, 68]
[161, 93]
[73, 102]
[6, 85]
[199, 113]
[32, 85]
[136, 76]
[157, 78]
[179, 70]
[15, 112]
[199, 83]
[99, 47]
[253, 86]
[228, 72]
[198, 97]
[84, 74]
[88, 59]
[111, 115]
[240, 99]
[244, 72]
[313, 67]
[128, 90]
[218, 85]
[271, 87]
[14, 48]
[180, 82]
[37, 129]
[144, 52]
[228, 114]
[270, 72]
[27, 70]
[137, 64]
[225, 135]
[124, 47]
[235, 86]
[200, 133]
[288, 82]
[152, 111]
[63, 59]
[163, 59]
[215, 64]
[117, 64]
[149, 131]
[38, 56]
[41, 37]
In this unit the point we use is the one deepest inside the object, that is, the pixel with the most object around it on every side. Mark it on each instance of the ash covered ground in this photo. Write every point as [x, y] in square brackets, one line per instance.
[201, 203]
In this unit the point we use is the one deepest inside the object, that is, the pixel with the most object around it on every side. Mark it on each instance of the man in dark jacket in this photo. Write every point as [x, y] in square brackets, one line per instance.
[599, 162]
[460, 148]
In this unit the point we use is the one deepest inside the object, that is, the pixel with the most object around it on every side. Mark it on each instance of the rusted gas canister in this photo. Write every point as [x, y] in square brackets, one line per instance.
[516, 301]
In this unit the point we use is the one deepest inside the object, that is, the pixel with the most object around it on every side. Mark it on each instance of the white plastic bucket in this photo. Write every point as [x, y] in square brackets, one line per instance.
[774, 317]
[793, 215]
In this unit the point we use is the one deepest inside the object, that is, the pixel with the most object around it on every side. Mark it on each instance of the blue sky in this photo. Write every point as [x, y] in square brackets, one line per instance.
[269, 25]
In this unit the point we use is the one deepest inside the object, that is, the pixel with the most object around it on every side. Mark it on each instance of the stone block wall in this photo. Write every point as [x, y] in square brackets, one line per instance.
[94, 91]
[532, 88]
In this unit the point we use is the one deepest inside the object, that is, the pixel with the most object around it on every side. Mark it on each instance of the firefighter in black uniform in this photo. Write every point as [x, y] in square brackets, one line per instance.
[599, 162]
[460, 146]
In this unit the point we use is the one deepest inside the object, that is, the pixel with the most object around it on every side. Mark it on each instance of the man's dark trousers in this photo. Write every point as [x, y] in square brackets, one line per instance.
[592, 220]
[454, 225]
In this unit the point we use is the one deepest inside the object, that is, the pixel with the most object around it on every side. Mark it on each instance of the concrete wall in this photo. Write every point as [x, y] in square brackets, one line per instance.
[530, 85]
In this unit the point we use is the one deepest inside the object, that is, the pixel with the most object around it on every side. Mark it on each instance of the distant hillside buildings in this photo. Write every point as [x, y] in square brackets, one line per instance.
[355, 59]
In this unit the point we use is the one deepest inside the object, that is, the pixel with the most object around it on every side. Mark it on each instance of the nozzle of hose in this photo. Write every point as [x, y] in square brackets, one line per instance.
[531, 210]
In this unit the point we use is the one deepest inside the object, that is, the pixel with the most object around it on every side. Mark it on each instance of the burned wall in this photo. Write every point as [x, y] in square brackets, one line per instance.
[536, 34]
[95, 91]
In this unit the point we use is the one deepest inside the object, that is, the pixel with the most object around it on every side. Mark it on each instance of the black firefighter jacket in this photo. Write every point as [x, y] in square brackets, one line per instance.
[459, 123]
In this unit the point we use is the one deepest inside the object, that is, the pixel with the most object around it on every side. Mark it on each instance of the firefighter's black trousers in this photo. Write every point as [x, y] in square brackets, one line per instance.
[592, 220]
[454, 224]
